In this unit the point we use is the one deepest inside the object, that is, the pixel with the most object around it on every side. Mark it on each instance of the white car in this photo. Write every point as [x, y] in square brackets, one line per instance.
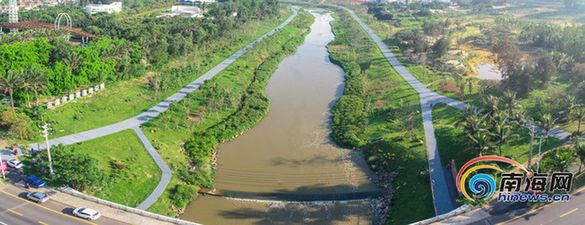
[14, 163]
[37, 197]
[85, 213]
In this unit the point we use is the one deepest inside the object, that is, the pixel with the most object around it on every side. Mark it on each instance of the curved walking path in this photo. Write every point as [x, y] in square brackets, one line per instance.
[164, 168]
[441, 198]
[135, 122]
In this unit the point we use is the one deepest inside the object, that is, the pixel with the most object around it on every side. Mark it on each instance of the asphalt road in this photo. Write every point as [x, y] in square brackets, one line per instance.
[562, 213]
[16, 210]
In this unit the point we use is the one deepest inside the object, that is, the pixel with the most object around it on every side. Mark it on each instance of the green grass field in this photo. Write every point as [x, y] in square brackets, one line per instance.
[139, 175]
[390, 148]
[454, 144]
[125, 99]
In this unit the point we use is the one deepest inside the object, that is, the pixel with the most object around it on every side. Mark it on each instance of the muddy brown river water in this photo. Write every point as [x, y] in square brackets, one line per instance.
[288, 155]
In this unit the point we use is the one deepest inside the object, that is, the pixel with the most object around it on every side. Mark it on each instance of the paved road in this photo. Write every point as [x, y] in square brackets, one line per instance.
[441, 198]
[562, 213]
[15, 210]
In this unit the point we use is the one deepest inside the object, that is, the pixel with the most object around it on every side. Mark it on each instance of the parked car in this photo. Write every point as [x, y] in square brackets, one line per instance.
[14, 163]
[37, 197]
[35, 181]
[86, 213]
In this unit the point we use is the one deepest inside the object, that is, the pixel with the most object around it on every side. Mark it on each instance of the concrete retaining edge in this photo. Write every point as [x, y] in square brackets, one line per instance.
[458, 211]
[155, 216]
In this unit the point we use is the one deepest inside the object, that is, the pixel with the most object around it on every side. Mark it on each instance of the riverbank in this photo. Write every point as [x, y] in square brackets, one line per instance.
[379, 113]
[223, 108]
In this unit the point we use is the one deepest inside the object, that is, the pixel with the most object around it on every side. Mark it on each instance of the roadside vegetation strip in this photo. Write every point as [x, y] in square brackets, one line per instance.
[115, 167]
[379, 113]
[224, 107]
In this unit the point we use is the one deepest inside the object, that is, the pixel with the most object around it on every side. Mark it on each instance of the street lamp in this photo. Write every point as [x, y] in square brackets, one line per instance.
[46, 135]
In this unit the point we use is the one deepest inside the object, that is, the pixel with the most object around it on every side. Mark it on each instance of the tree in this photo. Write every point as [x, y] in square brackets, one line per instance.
[10, 83]
[568, 103]
[441, 47]
[35, 81]
[558, 160]
[545, 69]
[579, 151]
[547, 123]
[501, 130]
[77, 170]
[579, 115]
[510, 102]
[492, 104]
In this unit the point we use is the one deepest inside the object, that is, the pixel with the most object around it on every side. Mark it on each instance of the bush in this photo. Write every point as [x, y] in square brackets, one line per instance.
[18, 124]
[181, 195]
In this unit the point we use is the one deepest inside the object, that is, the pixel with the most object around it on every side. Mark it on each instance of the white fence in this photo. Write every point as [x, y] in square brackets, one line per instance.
[155, 216]
[67, 98]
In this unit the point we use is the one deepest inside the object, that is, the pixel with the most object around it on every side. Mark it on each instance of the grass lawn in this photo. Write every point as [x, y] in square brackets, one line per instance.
[139, 176]
[454, 144]
[125, 99]
[390, 147]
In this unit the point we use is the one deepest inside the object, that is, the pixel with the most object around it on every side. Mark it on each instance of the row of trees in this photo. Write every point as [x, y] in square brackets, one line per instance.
[490, 129]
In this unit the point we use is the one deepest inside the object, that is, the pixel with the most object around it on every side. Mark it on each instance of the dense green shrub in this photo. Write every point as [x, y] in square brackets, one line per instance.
[77, 170]
[181, 195]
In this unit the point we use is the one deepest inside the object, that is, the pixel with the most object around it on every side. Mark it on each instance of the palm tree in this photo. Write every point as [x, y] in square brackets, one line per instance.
[35, 81]
[474, 121]
[501, 130]
[547, 123]
[73, 60]
[510, 102]
[481, 140]
[559, 160]
[579, 115]
[10, 83]
[492, 104]
[568, 103]
[579, 150]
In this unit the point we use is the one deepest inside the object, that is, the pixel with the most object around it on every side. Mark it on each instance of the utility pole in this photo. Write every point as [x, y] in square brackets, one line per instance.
[46, 135]
[1, 162]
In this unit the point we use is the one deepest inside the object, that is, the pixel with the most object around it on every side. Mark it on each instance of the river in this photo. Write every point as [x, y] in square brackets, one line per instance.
[288, 155]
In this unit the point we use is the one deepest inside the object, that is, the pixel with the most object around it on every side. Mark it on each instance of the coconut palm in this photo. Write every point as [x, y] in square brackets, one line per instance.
[501, 130]
[579, 115]
[481, 140]
[547, 123]
[474, 121]
[34, 80]
[579, 150]
[510, 102]
[568, 103]
[492, 104]
[10, 83]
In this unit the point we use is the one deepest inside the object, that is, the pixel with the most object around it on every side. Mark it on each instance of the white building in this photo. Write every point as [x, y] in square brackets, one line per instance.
[113, 7]
[199, 1]
[185, 11]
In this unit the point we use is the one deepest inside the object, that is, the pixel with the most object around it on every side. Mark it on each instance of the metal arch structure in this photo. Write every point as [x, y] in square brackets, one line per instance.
[67, 20]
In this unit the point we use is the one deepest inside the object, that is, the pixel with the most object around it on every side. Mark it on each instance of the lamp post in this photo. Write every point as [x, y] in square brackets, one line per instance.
[46, 135]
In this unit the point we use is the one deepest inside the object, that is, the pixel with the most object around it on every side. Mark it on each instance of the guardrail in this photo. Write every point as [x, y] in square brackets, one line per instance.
[458, 211]
[155, 216]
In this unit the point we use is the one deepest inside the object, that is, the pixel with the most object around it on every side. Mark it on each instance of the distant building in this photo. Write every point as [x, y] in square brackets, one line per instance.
[33, 4]
[197, 1]
[185, 11]
[113, 7]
